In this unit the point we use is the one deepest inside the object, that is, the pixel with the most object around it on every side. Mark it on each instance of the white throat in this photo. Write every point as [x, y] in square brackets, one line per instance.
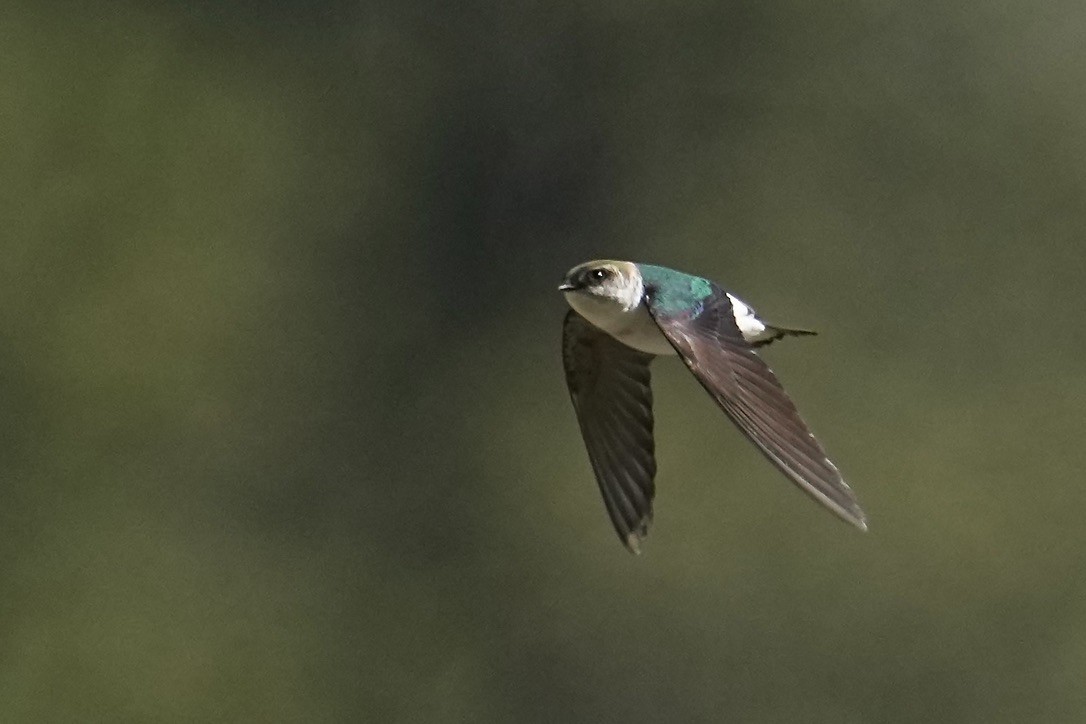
[627, 322]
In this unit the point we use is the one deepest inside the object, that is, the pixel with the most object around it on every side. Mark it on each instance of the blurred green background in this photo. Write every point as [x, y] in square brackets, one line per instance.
[284, 430]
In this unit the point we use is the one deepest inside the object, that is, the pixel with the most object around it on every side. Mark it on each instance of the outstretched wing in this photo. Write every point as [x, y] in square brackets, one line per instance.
[609, 385]
[711, 344]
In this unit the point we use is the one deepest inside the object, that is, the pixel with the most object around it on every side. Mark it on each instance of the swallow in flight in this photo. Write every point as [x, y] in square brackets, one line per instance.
[623, 316]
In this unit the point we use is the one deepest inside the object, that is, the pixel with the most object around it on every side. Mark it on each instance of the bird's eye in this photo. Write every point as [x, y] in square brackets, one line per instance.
[599, 275]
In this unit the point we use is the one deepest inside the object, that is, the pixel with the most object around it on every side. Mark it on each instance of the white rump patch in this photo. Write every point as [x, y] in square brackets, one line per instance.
[753, 329]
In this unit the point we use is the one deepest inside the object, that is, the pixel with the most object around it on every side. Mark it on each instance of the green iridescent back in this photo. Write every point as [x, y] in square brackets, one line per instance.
[674, 291]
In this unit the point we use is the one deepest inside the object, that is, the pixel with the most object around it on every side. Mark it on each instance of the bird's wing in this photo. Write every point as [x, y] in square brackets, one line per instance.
[711, 345]
[609, 385]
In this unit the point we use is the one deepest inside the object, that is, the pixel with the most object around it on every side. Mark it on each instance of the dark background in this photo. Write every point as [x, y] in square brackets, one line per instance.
[284, 432]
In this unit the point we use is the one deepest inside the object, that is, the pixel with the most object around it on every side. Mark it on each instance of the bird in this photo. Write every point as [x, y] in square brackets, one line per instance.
[623, 315]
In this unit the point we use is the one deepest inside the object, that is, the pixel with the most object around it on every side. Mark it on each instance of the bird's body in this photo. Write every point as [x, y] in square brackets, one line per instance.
[628, 320]
[625, 314]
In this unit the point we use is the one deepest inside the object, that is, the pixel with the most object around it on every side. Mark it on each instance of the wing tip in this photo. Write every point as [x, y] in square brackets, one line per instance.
[854, 516]
[848, 510]
[632, 540]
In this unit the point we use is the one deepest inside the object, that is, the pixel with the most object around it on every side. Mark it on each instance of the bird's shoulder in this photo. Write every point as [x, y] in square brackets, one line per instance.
[671, 292]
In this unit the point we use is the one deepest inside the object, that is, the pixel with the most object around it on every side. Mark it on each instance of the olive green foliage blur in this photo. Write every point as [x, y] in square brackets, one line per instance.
[284, 431]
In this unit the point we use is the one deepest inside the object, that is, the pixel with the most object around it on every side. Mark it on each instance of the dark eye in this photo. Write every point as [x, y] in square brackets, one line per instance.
[598, 275]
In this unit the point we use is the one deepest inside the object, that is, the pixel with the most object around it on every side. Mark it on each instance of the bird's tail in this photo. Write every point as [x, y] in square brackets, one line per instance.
[772, 334]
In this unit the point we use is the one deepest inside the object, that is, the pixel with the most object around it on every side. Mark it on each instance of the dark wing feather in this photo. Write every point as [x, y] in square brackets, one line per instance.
[709, 342]
[609, 385]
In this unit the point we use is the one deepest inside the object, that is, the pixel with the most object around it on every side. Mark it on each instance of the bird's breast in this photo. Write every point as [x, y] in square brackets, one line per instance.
[634, 328]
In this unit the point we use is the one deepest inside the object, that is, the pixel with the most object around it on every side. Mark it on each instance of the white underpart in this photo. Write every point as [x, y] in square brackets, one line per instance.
[627, 322]
[753, 329]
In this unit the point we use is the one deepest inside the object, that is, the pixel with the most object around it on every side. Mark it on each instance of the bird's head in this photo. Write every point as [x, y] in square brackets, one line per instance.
[604, 281]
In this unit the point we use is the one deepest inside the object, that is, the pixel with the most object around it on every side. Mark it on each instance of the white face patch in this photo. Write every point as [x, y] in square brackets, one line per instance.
[753, 329]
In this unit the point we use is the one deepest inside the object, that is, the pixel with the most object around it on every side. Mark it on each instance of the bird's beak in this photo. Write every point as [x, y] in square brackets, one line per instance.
[566, 287]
